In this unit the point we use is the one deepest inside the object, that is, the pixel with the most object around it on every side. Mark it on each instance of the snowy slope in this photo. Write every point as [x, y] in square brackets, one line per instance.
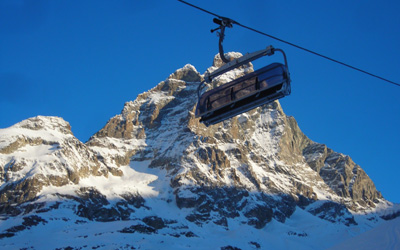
[384, 236]
[63, 228]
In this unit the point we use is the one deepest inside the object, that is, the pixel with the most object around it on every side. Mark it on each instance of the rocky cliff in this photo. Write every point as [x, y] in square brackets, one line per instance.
[252, 169]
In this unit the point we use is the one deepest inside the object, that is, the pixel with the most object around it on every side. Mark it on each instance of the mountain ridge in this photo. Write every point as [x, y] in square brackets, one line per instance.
[255, 170]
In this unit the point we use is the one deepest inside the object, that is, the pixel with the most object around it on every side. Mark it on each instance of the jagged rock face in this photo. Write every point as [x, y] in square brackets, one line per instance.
[40, 152]
[342, 175]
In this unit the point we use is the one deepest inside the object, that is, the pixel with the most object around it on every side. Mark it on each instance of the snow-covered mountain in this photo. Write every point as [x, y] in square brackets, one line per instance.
[155, 178]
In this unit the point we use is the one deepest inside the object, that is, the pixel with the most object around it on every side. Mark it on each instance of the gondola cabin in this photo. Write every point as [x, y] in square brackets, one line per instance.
[260, 87]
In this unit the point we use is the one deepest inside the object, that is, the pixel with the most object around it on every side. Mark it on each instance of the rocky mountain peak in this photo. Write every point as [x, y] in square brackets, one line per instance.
[49, 123]
[156, 166]
[37, 153]
[34, 131]
[188, 74]
[262, 151]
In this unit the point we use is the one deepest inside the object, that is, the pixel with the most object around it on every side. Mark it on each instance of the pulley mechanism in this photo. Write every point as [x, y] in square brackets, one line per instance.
[223, 22]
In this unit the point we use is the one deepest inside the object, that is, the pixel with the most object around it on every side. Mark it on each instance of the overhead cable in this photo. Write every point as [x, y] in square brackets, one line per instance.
[291, 44]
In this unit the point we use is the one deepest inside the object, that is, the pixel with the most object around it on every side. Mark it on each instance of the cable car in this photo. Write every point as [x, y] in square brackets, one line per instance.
[260, 87]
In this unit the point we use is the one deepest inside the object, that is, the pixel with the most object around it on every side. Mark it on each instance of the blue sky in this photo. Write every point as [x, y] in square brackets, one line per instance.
[82, 60]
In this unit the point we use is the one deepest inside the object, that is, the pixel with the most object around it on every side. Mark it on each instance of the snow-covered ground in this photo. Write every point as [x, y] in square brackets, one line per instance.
[64, 229]
[384, 236]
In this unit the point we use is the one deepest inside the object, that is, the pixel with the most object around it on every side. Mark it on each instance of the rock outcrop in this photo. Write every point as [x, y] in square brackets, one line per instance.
[41, 152]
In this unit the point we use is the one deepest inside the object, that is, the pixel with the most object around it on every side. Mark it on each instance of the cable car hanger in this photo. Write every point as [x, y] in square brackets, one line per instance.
[223, 23]
[252, 90]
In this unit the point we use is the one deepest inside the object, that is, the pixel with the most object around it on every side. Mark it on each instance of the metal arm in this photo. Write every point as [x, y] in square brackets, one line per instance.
[284, 57]
[223, 23]
[239, 62]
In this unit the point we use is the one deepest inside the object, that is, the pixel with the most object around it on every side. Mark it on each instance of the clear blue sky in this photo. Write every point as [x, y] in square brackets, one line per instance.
[82, 60]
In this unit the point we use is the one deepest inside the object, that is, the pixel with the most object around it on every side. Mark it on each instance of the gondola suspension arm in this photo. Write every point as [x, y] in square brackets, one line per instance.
[270, 50]
[223, 23]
